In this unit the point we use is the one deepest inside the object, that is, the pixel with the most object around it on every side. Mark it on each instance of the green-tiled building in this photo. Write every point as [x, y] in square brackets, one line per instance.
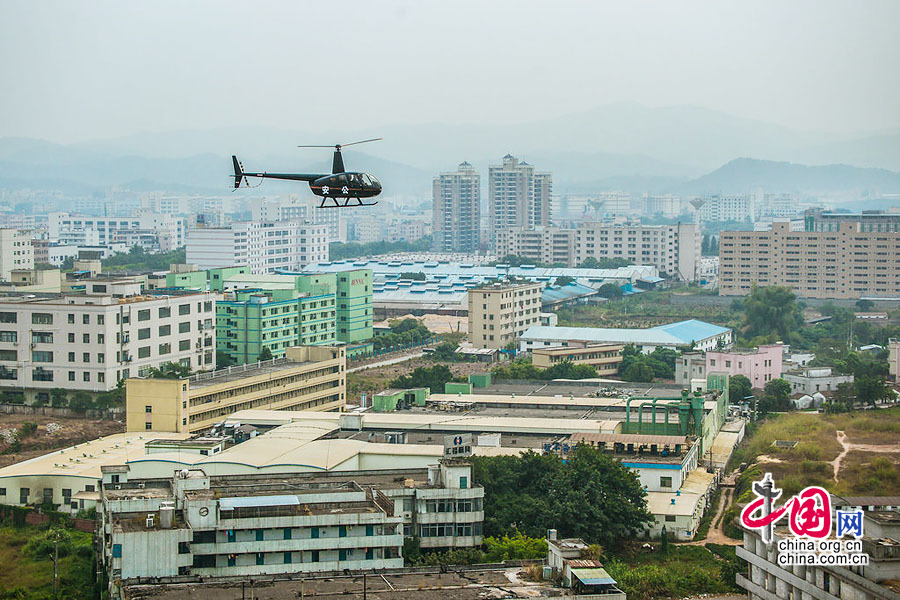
[276, 316]
[354, 305]
[205, 280]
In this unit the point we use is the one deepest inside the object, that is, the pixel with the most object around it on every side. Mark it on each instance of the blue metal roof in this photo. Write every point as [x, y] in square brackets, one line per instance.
[692, 330]
[673, 334]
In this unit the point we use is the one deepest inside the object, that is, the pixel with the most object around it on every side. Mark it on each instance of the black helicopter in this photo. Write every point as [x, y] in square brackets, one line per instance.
[340, 186]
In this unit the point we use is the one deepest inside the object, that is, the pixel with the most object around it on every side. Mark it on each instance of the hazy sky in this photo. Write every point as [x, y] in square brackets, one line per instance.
[75, 71]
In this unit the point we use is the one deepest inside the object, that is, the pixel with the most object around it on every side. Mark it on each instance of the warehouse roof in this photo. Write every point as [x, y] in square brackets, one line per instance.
[680, 333]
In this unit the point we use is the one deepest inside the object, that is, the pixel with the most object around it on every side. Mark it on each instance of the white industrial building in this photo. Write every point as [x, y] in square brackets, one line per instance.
[79, 230]
[88, 342]
[263, 246]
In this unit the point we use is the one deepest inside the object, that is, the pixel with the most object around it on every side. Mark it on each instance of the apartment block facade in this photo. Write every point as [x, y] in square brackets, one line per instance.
[263, 246]
[606, 358]
[846, 263]
[518, 197]
[499, 314]
[16, 251]
[258, 317]
[673, 249]
[89, 342]
[457, 210]
[67, 228]
[354, 311]
[306, 378]
[293, 208]
[548, 245]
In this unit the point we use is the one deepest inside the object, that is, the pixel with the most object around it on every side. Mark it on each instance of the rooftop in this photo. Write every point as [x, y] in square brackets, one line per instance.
[229, 374]
[680, 333]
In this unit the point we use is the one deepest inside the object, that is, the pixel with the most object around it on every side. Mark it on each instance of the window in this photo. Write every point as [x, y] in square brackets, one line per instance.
[71, 375]
[101, 319]
[287, 558]
[665, 482]
[9, 336]
[71, 338]
[342, 531]
[144, 333]
[41, 337]
[165, 312]
[71, 318]
[144, 315]
[8, 355]
[41, 319]
[287, 533]
[101, 338]
[184, 327]
[101, 358]
[71, 357]
[370, 530]
[184, 309]
[148, 426]
[259, 535]
[165, 348]
[41, 356]
[144, 352]
[165, 330]
[7, 317]
[260, 558]
[23, 495]
[86, 376]
[85, 319]
[184, 345]
[86, 357]
[670, 518]
[117, 551]
[315, 555]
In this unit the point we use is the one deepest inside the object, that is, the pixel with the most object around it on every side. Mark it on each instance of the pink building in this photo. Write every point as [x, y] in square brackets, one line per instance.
[759, 366]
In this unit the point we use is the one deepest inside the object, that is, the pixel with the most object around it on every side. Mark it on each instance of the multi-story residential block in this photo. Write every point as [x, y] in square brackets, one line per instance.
[16, 251]
[548, 245]
[759, 366]
[88, 342]
[457, 210]
[257, 315]
[716, 209]
[354, 312]
[846, 263]
[306, 378]
[606, 358]
[500, 313]
[870, 221]
[264, 246]
[293, 208]
[406, 230]
[519, 197]
[66, 228]
[673, 249]
[894, 359]
[666, 205]
[809, 380]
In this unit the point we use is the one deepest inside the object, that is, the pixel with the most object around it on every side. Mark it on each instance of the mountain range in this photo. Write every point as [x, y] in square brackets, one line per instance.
[624, 146]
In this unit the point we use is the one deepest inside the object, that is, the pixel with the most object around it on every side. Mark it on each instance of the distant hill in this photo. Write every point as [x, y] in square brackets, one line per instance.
[743, 174]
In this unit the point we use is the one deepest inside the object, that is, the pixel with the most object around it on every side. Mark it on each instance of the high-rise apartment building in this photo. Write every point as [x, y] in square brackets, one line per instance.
[519, 197]
[500, 313]
[293, 208]
[89, 342]
[263, 246]
[716, 209]
[868, 220]
[16, 251]
[457, 210]
[845, 263]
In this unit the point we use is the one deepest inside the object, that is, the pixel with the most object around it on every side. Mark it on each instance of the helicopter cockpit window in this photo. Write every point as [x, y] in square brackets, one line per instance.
[367, 180]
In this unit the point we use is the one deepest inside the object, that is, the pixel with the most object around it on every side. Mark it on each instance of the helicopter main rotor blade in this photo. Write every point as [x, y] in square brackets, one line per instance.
[332, 146]
[361, 142]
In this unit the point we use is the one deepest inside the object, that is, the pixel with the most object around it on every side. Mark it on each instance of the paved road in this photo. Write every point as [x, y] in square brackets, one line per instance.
[390, 361]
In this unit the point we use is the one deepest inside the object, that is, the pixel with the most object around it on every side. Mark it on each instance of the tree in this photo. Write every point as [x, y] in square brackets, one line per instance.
[739, 387]
[223, 360]
[80, 402]
[638, 371]
[433, 378]
[843, 399]
[264, 354]
[169, 370]
[872, 389]
[415, 276]
[58, 398]
[564, 280]
[772, 310]
[590, 496]
[776, 396]
[603, 263]
[610, 291]
[865, 305]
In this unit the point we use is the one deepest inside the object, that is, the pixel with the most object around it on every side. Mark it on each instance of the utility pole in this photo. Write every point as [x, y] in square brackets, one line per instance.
[364, 586]
[55, 563]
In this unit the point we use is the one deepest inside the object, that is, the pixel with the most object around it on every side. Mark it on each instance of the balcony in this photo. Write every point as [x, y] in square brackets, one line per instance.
[297, 545]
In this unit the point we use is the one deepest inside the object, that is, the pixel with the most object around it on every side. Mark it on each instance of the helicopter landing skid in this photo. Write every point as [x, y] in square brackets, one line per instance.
[345, 204]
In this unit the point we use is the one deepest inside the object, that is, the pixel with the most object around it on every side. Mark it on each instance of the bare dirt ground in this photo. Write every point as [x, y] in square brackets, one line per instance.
[376, 379]
[716, 535]
[850, 446]
[73, 431]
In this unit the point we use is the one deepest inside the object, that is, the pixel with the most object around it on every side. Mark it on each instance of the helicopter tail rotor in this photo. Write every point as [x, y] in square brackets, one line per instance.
[238, 171]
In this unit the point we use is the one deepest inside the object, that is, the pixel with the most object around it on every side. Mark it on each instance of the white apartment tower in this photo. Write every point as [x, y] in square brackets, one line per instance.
[519, 197]
[457, 210]
[263, 246]
[16, 251]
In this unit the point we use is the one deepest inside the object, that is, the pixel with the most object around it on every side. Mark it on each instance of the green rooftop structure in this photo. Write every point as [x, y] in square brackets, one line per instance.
[204, 280]
[390, 400]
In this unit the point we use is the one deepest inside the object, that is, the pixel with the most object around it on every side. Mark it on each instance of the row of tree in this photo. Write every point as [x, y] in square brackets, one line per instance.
[342, 251]
[521, 368]
[403, 333]
[639, 367]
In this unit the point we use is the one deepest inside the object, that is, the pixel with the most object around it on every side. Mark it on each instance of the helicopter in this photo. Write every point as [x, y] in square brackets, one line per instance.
[340, 186]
